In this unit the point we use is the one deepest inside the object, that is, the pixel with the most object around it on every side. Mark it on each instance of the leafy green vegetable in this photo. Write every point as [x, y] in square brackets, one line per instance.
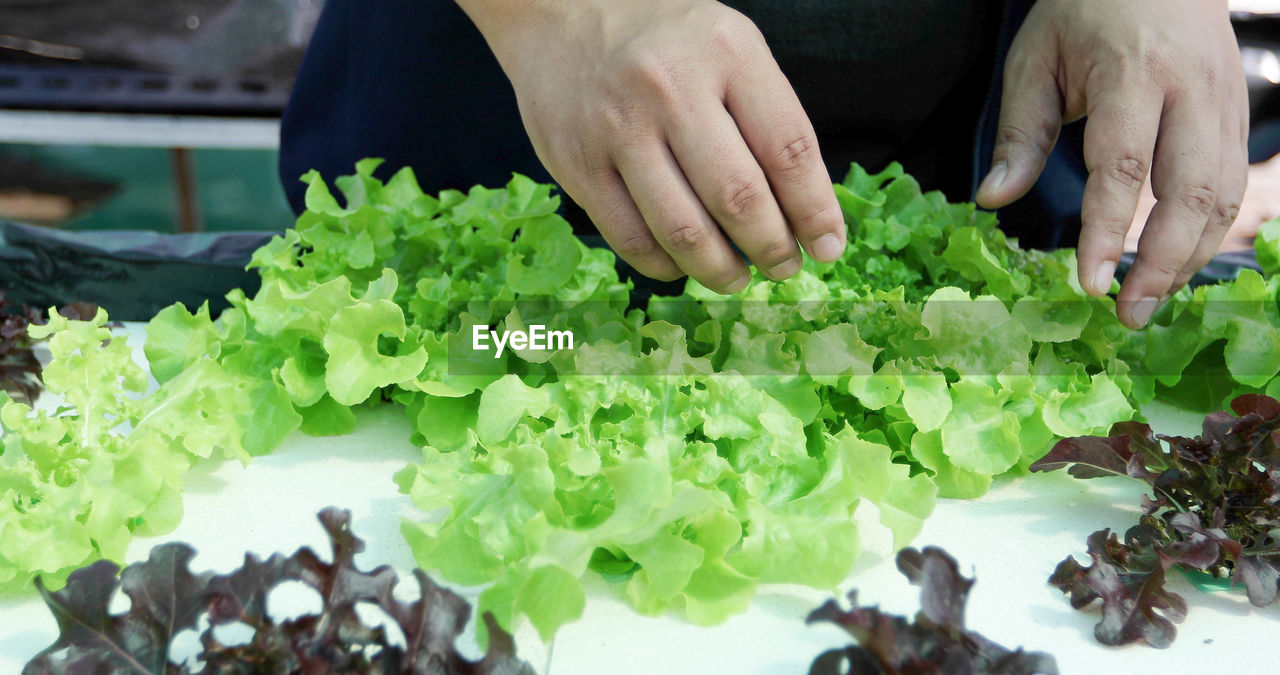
[936, 641]
[74, 489]
[80, 481]
[688, 451]
[717, 445]
[19, 367]
[167, 599]
[1214, 508]
[724, 443]
[1215, 343]
[1267, 246]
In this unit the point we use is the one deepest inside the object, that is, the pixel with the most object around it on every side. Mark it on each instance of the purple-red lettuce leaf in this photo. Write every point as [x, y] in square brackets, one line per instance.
[167, 598]
[1215, 505]
[19, 366]
[1129, 579]
[935, 642]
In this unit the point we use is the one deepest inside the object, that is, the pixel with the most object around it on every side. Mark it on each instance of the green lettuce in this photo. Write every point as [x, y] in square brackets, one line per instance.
[687, 451]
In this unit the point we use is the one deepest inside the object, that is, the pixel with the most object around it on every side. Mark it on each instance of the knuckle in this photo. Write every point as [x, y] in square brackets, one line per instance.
[1041, 139]
[595, 175]
[619, 121]
[1226, 213]
[579, 153]
[666, 273]
[646, 70]
[739, 197]
[795, 156]
[736, 34]
[1127, 170]
[636, 246]
[1104, 221]
[688, 237]
[823, 218]
[613, 117]
[721, 280]
[1198, 198]
[1189, 270]
[774, 252]
[1179, 71]
[1167, 268]
[1157, 62]
[1209, 78]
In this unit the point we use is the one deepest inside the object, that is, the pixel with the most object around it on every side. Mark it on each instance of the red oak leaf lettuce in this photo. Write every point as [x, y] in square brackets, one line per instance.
[935, 642]
[168, 598]
[1214, 506]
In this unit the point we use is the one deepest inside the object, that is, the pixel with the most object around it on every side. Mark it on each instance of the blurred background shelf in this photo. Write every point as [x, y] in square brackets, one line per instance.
[119, 114]
[233, 189]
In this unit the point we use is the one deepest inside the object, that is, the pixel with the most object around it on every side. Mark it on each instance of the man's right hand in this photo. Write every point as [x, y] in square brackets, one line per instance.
[672, 126]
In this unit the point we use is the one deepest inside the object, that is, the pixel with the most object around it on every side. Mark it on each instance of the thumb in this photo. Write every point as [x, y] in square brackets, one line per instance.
[1030, 118]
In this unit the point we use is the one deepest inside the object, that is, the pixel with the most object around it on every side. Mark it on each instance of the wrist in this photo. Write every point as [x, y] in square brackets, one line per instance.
[501, 22]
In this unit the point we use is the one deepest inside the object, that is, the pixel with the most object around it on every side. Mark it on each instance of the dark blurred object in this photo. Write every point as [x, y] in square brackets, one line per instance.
[1259, 38]
[132, 274]
[1223, 267]
[19, 367]
[178, 56]
[33, 193]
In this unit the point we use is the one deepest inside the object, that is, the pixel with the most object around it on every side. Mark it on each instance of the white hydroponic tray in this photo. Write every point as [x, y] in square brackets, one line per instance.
[1011, 539]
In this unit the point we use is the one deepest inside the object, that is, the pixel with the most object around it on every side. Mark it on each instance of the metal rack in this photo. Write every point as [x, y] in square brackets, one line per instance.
[104, 89]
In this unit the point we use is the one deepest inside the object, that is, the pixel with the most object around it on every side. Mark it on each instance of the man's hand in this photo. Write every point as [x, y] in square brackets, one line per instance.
[1163, 88]
[671, 124]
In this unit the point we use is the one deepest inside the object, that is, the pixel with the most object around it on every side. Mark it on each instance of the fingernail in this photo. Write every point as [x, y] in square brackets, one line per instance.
[785, 269]
[827, 248]
[1140, 312]
[995, 178]
[740, 284]
[1103, 275]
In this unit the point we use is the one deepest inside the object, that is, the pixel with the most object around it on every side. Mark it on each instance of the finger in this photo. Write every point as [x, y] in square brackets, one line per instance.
[610, 207]
[780, 136]
[1119, 138]
[733, 189]
[677, 220]
[1185, 183]
[1030, 118]
[1234, 176]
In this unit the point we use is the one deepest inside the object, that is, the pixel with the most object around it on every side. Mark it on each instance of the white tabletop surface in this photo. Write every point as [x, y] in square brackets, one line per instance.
[1011, 539]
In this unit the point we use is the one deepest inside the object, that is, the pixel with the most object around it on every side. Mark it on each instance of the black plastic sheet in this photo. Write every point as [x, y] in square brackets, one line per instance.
[133, 274]
[1223, 267]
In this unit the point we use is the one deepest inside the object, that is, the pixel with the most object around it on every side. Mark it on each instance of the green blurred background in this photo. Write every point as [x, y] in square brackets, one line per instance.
[237, 189]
